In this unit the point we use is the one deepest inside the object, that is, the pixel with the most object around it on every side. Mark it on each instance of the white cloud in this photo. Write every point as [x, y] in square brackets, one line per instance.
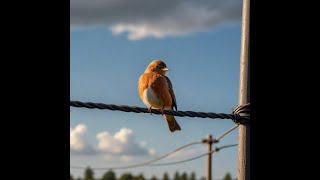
[120, 146]
[145, 18]
[78, 143]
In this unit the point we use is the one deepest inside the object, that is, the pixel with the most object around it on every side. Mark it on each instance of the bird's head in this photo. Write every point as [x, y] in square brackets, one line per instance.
[157, 66]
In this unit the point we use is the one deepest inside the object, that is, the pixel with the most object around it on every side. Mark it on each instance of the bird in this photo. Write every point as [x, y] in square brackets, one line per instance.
[156, 91]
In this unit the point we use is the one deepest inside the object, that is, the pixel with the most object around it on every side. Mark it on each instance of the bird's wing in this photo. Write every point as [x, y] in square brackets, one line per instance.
[174, 102]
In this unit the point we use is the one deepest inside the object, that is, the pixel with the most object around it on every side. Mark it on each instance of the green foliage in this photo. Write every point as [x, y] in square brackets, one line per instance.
[227, 177]
[140, 177]
[126, 176]
[193, 176]
[176, 176]
[154, 178]
[184, 176]
[165, 176]
[110, 175]
[88, 174]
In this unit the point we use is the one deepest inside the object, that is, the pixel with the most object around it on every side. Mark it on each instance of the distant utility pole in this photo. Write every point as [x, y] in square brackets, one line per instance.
[209, 141]
[244, 95]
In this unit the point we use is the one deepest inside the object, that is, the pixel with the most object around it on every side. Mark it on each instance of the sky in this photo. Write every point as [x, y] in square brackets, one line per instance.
[111, 44]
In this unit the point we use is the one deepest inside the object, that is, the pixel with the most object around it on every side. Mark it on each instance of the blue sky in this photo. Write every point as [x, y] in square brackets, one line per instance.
[105, 67]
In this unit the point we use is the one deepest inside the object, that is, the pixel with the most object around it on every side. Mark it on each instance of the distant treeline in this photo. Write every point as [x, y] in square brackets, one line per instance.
[110, 175]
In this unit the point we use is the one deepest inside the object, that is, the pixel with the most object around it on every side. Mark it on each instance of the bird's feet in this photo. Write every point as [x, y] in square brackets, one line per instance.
[161, 110]
[150, 110]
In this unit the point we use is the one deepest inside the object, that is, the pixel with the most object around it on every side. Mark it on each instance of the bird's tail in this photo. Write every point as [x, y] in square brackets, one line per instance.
[172, 123]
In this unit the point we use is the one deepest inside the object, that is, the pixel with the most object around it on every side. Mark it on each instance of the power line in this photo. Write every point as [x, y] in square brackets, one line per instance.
[194, 158]
[165, 155]
[235, 116]
[227, 132]
[221, 136]
[144, 163]
[163, 164]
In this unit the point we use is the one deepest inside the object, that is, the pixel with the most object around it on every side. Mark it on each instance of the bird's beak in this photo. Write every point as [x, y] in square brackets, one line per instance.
[165, 69]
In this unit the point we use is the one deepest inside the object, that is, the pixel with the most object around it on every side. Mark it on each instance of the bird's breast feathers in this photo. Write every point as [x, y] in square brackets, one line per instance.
[151, 99]
[153, 89]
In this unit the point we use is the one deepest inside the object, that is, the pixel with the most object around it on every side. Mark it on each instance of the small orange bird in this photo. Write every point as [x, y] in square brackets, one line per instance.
[156, 91]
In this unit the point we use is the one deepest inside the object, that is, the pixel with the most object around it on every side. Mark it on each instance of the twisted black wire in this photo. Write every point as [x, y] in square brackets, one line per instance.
[235, 116]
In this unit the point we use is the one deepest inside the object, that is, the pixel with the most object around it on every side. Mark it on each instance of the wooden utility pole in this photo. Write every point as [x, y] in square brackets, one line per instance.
[244, 95]
[209, 142]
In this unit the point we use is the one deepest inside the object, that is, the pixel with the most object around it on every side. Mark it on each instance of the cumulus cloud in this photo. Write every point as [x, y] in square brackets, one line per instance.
[145, 18]
[120, 146]
[78, 142]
